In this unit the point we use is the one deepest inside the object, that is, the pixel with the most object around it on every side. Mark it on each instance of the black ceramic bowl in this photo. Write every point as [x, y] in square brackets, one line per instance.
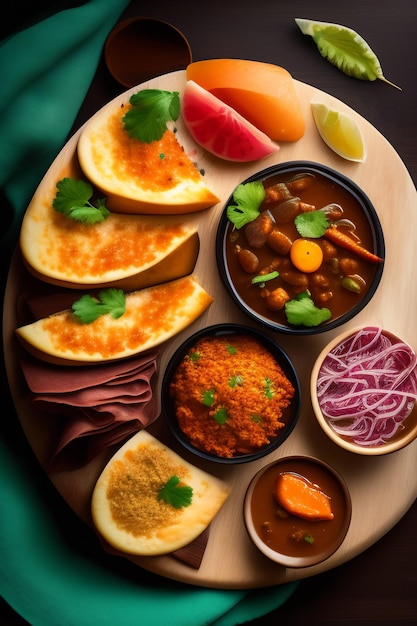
[323, 187]
[290, 414]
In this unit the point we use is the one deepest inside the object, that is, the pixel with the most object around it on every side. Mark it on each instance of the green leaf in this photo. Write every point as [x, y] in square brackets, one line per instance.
[263, 278]
[344, 48]
[301, 311]
[268, 389]
[231, 350]
[178, 496]
[110, 301]
[194, 356]
[73, 200]
[311, 224]
[208, 397]
[150, 112]
[221, 416]
[248, 198]
[235, 381]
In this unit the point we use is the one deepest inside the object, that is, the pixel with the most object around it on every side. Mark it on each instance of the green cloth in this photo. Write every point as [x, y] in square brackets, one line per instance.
[45, 72]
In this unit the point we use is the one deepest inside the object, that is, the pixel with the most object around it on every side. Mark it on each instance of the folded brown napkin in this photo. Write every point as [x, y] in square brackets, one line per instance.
[98, 406]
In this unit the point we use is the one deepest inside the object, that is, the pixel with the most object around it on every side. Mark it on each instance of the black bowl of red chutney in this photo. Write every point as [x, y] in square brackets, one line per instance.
[300, 248]
[230, 394]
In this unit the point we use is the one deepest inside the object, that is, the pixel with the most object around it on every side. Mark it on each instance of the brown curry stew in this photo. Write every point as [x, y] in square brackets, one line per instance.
[342, 281]
[288, 538]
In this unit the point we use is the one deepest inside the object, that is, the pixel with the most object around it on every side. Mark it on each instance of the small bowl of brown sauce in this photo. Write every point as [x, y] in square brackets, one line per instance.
[141, 48]
[297, 511]
[230, 394]
[364, 391]
[300, 248]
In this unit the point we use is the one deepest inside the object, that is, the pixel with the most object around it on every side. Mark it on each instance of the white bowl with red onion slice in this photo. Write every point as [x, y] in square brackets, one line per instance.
[364, 391]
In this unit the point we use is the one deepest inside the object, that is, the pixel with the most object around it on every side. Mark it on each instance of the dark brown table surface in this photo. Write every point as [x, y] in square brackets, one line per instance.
[380, 585]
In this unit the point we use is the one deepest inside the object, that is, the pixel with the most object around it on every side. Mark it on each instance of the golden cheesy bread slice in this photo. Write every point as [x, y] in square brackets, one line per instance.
[138, 177]
[152, 316]
[149, 501]
[126, 251]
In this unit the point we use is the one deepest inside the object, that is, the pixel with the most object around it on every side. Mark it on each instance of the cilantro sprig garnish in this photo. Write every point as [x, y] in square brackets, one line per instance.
[73, 200]
[208, 397]
[311, 224]
[248, 198]
[150, 112]
[110, 301]
[301, 311]
[176, 494]
[194, 356]
[269, 392]
[236, 381]
[221, 416]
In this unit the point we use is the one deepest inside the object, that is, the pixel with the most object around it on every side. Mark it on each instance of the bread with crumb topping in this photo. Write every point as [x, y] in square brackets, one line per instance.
[128, 510]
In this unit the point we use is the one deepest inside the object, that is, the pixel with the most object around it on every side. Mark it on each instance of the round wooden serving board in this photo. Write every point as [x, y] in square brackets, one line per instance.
[382, 488]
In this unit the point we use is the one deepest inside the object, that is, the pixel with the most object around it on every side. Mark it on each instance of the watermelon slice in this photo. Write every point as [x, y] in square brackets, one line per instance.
[221, 130]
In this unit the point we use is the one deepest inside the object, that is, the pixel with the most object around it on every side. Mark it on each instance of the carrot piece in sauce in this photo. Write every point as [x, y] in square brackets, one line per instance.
[344, 241]
[301, 498]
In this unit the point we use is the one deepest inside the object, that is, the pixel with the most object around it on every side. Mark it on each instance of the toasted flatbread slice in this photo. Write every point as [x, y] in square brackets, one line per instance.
[125, 251]
[152, 316]
[125, 507]
[137, 177]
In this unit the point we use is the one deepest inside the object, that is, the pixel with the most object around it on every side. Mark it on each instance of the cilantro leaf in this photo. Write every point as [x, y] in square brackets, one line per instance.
[235, 381]
[301, 311]
[268, 389]
[248, 198]
[178, 496]
[73, 200]
[150, 112]
[311, 224]
[208, 397]
[221, 416]
[194, 356]
[87, 309]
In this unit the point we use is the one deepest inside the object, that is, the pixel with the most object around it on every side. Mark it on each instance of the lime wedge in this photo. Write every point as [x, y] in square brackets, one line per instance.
[339, 131]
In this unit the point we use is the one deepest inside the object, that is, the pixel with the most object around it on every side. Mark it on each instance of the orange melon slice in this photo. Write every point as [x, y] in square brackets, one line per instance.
[263, 93]
[137, 177]
[124, 251]
[152, 316]
[126, 508]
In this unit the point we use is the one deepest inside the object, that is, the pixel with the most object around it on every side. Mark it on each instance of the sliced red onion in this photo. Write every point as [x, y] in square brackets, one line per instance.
[367, 387]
